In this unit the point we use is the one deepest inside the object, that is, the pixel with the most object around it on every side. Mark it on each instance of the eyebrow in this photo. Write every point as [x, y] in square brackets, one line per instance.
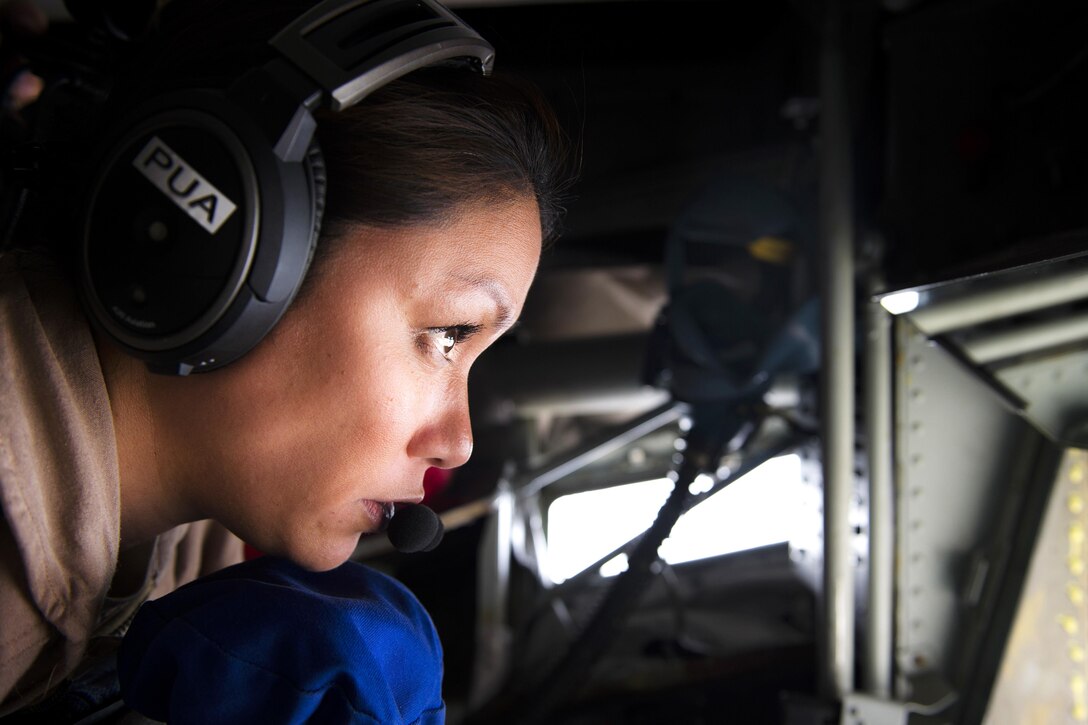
[498, 294]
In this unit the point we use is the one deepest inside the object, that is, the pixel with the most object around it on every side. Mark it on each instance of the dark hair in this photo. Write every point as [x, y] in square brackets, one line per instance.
[439, 139]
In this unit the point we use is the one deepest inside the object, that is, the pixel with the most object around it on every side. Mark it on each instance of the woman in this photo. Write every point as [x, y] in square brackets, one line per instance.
[441, 188]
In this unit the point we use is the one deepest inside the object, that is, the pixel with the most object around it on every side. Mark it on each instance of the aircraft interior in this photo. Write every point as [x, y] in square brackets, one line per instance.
[793, 427]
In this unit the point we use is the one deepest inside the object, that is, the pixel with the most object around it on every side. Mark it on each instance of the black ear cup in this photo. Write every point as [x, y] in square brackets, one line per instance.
[198, 235]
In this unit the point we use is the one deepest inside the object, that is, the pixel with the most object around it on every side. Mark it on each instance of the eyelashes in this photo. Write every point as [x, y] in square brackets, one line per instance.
[444, 340]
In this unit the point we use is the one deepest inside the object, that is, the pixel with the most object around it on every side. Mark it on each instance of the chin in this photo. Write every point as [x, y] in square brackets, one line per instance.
[322, 555]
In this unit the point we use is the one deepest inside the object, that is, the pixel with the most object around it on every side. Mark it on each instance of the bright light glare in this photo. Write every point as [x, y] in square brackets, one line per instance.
[765, 507]
[616, 565]
[583, 527]
[759, 509]
[701, 484]
[899, 303]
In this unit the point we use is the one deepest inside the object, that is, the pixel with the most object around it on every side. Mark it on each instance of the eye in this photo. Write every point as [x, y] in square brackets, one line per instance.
[445, 339]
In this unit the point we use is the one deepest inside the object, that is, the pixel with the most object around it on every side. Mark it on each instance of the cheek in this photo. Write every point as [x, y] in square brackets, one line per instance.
[363, 413]
[375, 384]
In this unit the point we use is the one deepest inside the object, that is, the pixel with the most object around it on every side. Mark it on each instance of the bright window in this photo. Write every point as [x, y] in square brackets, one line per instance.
[764, 507]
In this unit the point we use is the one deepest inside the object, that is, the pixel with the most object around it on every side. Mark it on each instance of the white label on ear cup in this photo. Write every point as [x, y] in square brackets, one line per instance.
[193, 194]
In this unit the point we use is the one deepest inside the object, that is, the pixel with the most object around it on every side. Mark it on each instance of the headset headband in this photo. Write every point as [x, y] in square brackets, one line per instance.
[351, 47]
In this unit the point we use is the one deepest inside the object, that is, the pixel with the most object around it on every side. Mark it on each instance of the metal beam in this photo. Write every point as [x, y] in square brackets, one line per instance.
[1046, 289]
[533, 482]
[1023, 339]
[837, 372]
[880, 625]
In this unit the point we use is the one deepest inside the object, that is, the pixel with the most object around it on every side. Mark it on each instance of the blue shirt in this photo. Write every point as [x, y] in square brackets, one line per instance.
[269, 642]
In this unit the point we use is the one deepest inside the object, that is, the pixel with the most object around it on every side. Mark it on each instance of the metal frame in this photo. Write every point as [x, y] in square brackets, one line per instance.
[1001, 300]
[836, 228]
[518, 489]
[877, 673]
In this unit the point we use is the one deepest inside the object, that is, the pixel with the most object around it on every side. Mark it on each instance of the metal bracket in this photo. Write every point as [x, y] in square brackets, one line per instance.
[861, 709]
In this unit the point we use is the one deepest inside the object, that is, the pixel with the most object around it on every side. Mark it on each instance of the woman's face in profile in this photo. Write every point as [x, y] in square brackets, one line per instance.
[361, 387]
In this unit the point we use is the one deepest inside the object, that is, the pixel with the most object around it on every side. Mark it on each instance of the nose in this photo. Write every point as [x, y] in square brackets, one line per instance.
[445, 440]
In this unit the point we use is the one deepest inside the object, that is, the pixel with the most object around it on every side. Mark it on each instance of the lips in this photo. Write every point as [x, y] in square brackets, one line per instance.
[379, 513]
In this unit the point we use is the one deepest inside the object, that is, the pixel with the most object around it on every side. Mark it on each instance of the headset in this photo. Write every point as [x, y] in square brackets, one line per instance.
[203, 207]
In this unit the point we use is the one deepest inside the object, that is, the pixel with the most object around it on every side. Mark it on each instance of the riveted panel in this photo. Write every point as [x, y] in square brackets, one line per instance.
[1044, 671]
[956, 450]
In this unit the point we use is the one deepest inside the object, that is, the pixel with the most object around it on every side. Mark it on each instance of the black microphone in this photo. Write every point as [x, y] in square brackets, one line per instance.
[414, 528]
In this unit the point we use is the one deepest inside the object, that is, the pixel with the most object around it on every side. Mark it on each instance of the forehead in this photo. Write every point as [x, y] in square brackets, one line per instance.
[474, 247]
